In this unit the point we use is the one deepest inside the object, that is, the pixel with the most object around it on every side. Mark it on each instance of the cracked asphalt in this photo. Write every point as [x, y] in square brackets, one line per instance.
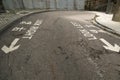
[60, 45]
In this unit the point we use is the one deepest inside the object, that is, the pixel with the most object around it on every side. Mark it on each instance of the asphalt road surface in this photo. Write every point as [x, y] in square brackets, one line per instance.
[61, 45]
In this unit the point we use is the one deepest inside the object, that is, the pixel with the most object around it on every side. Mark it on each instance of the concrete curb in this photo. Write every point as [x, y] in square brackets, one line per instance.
[97, 23]
[6, 26]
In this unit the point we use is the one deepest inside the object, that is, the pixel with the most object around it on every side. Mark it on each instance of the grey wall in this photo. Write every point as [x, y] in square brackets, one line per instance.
[44, 4]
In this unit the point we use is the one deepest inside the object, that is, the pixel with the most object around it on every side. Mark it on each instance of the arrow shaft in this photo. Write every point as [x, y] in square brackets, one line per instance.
[14, 42]
[105, 42]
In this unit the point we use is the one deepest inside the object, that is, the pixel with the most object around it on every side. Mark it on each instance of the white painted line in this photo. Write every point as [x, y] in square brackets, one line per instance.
[30, 33]
[90, 26]
[87, 34]
[78, 25]
[26, 22]
[101, 31]
[115, 48]
[94, 31]
[38, 22]
[18, 29]
[12, 46]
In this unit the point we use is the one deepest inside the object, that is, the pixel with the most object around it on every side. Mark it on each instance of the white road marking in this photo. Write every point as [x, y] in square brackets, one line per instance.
[12, 46]
[26, 22]
[88, 34]
[90, 26]
[29, 34]
[38, 22]
[101, 31]
[76, 24]
[18, 29]
[85, 32]
[94, 31]
[115, 48]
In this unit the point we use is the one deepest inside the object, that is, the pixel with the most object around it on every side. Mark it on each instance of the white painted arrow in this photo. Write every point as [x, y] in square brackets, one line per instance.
[12, 46]
[115, 48]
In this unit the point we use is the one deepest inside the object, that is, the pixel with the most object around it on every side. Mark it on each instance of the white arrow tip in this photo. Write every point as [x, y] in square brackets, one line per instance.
[6, 49]
[117, 48]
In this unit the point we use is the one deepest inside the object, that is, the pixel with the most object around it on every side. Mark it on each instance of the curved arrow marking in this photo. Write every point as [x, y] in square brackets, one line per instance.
[12, 46]
[115, 48]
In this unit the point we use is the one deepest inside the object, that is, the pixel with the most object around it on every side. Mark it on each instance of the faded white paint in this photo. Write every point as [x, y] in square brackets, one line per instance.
[12, 46]
[18, 29]
[115, 48]
[88, 34]
[30, 33]
[26, 22]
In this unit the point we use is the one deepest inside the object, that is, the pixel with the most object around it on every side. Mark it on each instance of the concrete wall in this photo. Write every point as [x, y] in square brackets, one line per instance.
[44, 4]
